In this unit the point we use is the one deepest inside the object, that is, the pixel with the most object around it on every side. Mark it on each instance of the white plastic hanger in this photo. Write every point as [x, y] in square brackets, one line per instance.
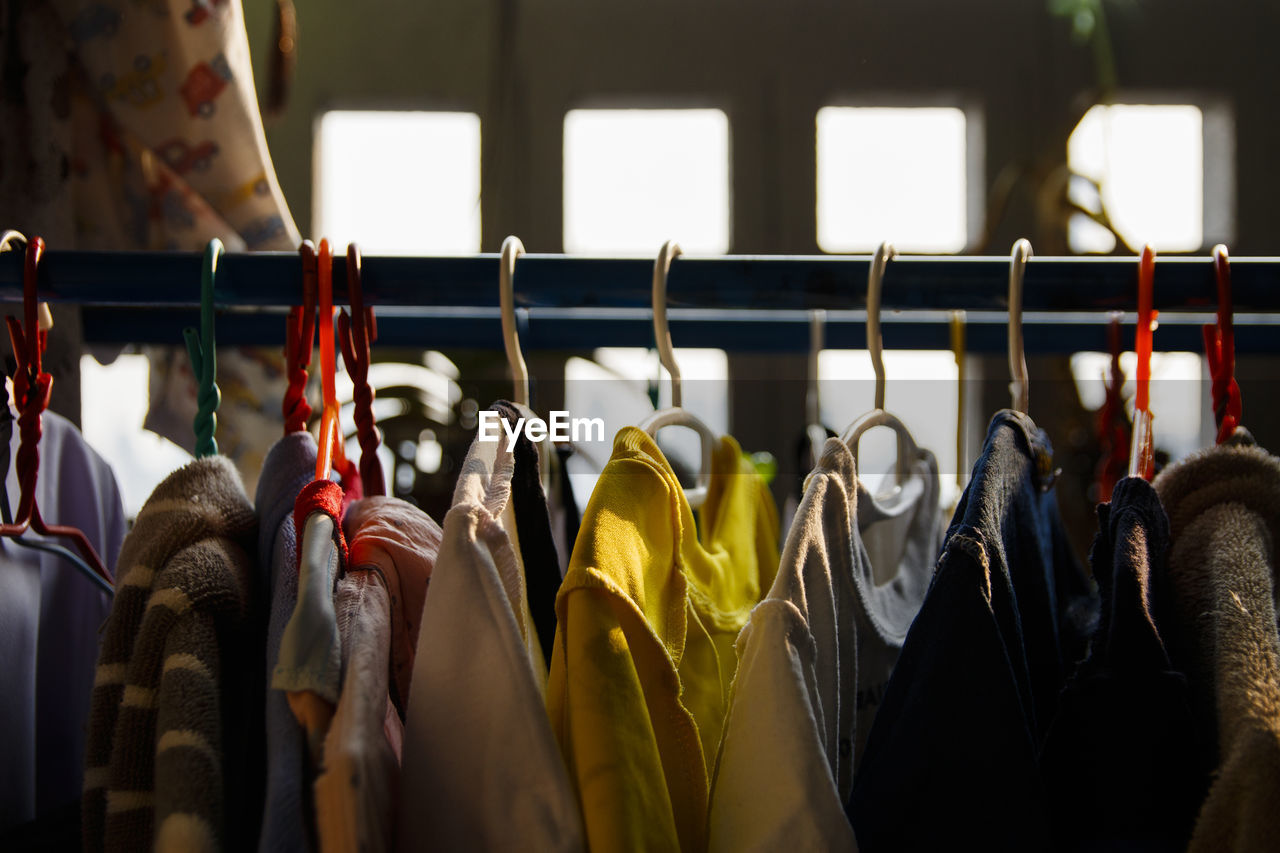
[1020, 387]
[512, 248]
[675, 416]
[815, 431]
[908, 452]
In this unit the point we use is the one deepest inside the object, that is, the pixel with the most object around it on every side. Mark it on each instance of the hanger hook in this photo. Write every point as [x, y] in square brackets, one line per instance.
[817, 335]
[1017, 353]
[875, 343]
[512, 248]
[661, 330]
[201, 347]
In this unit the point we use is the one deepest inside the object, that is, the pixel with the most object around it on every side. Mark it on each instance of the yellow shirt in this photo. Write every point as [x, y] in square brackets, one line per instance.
[643, 658]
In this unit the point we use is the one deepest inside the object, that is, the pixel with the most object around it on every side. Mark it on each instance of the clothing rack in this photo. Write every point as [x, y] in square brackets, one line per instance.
[748, 303]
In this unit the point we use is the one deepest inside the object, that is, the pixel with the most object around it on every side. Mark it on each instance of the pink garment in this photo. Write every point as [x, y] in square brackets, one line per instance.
[399, 541]
[392, 549]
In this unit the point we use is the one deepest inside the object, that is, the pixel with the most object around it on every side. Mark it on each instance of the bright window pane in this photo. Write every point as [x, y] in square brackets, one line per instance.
[399, 182]
[921, 388]
[634, 179]
[1176, 390]
[615, 387]
[1149, 161]
[113, 405]
[891, 174]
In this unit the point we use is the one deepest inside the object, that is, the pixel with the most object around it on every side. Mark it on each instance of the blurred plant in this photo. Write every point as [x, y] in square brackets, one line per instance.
[1089, 26]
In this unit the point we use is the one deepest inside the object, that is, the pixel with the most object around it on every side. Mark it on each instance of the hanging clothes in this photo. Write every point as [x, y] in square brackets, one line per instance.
[644, 657]
[309, 666]
[174, 758]
[392, 549]
[481, 767]
[287, 822]
[1120, 762]
[952, 756]
[816, 655]
[49, 620]
[1219, 596]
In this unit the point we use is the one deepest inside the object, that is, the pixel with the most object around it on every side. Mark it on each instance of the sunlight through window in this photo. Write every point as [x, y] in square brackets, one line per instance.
[896, 174]
[399, 183]
[634, 179]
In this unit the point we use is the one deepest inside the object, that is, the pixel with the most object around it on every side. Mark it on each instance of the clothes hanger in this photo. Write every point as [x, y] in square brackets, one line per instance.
[675, 415]
[814, 429]
[331, 454]
[202, 349]
[1220, 352]
[31, 388]
[1020, 387]
[355, 332]
[300, 333]
[512, 249]
[907, 449]
[1142, 450]
[7, 238]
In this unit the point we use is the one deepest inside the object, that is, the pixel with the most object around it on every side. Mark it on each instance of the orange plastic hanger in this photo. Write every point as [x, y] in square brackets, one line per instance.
[355, 332]
[1142, 450]
[1220, 352]
[31, 389]
[300, 335]
[330, 454]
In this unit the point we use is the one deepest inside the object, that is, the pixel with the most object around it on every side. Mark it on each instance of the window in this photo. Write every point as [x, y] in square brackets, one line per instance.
[113, 406]
[634, 179]
[399, 182]
[896, 174]
[921, 388]
[615, 387]
[1149, 162]
[1176, 390]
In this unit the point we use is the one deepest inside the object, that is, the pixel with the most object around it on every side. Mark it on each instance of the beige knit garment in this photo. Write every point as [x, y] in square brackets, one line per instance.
[1224, 509]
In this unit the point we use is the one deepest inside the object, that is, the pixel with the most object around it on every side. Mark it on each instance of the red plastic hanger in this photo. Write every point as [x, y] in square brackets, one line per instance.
[1142, 451]
[31, 388]
[355, 333]
[300, 335]
[330, 454]
[1220, 352]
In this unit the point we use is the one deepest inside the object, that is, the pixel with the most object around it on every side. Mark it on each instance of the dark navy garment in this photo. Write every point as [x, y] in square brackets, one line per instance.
[953, 755]
[1120, 763]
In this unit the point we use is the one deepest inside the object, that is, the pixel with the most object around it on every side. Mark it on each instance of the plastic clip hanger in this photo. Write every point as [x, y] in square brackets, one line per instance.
[1142, 450]
[355, 332]
[815, 431]
[201, 347]
[330, 454]
[300, 333]
[31, 389]
[908, 452]
[675, 415]
[1220, 352]
[1020, 387]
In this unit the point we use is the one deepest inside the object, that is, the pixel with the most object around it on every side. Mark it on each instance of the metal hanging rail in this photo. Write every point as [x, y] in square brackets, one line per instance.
[745, 303]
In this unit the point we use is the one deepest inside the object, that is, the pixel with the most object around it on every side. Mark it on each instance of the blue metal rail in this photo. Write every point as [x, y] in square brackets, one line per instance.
[739, 303]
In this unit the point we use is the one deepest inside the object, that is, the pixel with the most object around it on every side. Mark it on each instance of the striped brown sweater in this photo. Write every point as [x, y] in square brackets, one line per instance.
[172, 735]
